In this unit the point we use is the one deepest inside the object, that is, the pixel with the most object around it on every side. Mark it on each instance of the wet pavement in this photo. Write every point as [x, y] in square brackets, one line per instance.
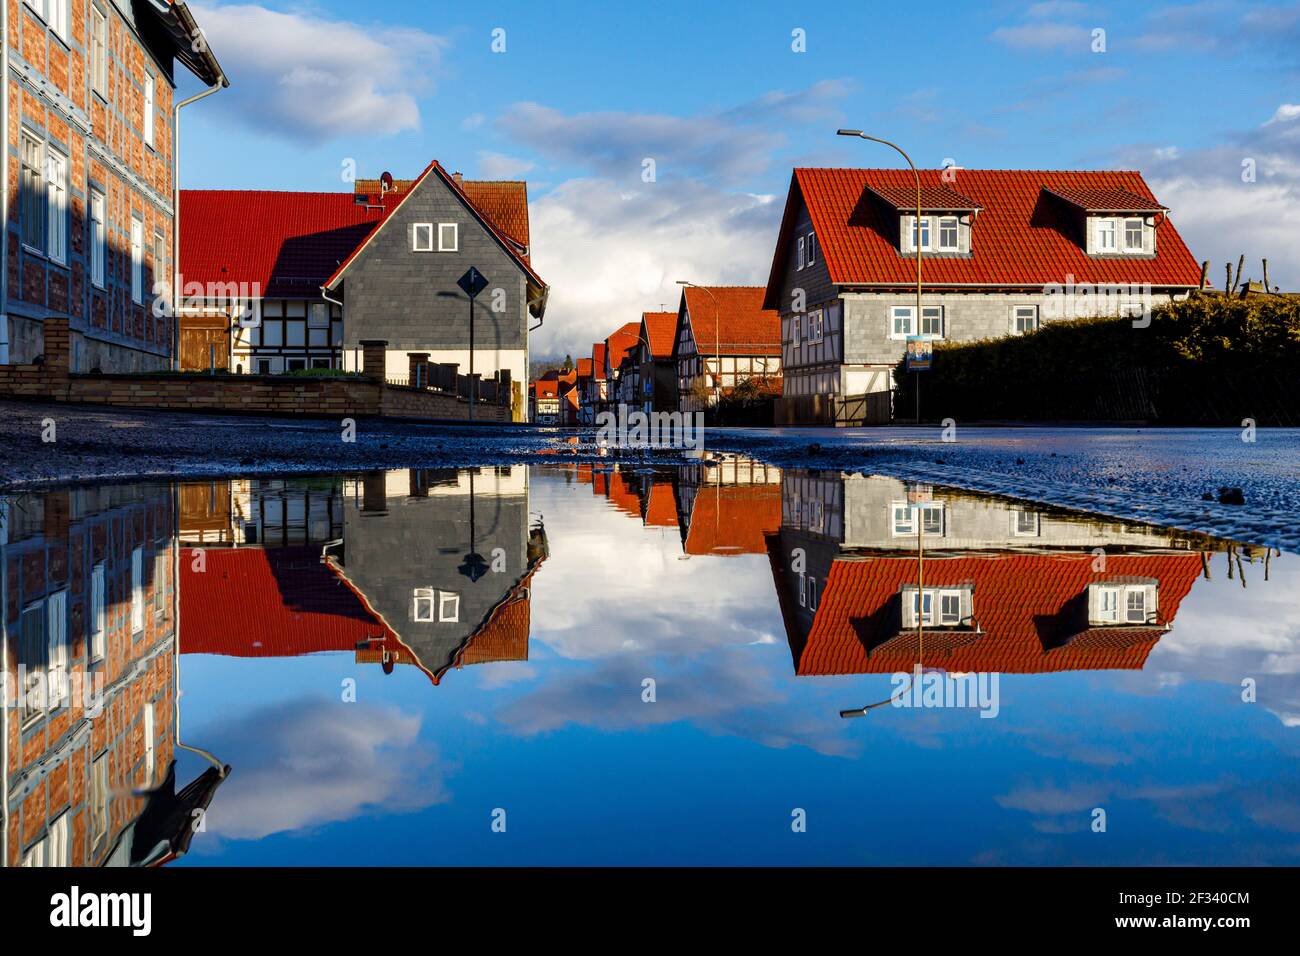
[613, 662]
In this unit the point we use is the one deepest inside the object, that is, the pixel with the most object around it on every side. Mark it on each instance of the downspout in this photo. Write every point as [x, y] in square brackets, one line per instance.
[176, 214]
[324, 294]
[4, 220]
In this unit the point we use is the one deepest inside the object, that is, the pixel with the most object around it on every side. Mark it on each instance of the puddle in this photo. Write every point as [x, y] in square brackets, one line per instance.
[583, 664]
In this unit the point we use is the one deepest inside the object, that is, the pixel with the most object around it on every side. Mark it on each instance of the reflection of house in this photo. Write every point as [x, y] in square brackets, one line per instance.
[1004, 589]
[431, 568]
[268, 511]
[88, 608]
[727, 506]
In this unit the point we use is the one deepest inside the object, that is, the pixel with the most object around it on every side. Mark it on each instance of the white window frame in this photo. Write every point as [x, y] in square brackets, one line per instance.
[150, 745]
[149, 106]
[812, 248]
[929, 312]
[448, 607]
[99, 798]
[928, 606]
[1107, 228]
[1141, 231]
[137, 260]
[455, 237]
[1022, 311]
[98, 613]
[56, 205]
[800, 260]
[56, 610]
[815, 330]
[34, 196]
[137, 590]
[98, 239]
[903, 516]
[796, 321]
[954, 223]
[812, 593]
[427, 244]
[99, 51]
[423, 604]
[1112, 604]
[1025, 529]
[897, 312]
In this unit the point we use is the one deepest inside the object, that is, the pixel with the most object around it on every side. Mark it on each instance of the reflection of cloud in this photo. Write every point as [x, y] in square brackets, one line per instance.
[308, 762]
[1226, 633]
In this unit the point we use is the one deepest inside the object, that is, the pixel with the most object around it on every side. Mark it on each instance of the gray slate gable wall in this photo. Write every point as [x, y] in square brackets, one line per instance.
[411, 298]
[815, 281]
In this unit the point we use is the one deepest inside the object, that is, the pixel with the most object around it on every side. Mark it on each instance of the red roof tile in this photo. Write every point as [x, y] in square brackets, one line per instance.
[1106, 199]
[506, 204]
[732, 319]
[621, 342]
[270, 602]
[933, 198]
[659, 328]
[1022, 602]
[1023, 236]
[598, 361]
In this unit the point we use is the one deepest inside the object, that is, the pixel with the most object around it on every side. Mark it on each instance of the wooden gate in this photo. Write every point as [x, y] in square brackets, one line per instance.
[204, 343]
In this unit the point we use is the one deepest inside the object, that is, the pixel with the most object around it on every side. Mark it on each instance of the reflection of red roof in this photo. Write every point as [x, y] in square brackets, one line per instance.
[731, 319]
[661, 507]
[623, 496]
[546, 389]
[269, 602]
[505, 635]
[621, 342]
[1031, 607]
[733, 519]
[1023, 236]
[660, 328]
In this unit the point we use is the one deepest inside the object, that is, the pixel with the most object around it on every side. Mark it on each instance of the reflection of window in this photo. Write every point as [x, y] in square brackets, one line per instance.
[422, 610]
[53, 849]
[1024, 524]
[99, 797]
[905, 515]
[448, 606]
[936, 607]
[35, 655]
[137, 590]
[1116, 604]
[812, 594]
[97, 614]
[148, 742]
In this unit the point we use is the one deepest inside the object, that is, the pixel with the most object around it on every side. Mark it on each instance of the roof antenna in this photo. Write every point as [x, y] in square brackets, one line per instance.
[385, 183]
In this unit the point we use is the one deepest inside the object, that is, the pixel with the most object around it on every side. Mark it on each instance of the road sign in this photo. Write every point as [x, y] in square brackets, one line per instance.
[919, 351]
[473, 282]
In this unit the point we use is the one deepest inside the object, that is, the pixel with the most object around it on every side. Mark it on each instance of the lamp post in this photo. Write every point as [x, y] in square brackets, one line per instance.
[916, 235]
[717, 333]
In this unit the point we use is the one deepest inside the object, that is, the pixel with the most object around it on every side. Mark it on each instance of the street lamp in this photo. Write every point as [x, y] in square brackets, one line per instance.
[916, 230]
[717, 333]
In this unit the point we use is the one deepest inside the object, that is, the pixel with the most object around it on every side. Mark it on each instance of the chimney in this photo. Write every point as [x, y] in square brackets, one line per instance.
[458, 177]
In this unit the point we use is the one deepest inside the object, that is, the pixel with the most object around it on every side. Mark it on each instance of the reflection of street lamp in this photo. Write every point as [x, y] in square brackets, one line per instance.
[475, 565]
[916, 235]
[717, 334]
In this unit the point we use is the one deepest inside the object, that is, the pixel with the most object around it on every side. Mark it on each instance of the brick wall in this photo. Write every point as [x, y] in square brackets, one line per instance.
[262, 394]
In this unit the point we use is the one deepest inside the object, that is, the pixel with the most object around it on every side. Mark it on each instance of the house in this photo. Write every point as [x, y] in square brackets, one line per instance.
[618, 367]
[596, 388]
[545, 400]
[656, 371]
[1002, 251]
[89, 167]
[725, 335]
[319, 273]
[1006, 588]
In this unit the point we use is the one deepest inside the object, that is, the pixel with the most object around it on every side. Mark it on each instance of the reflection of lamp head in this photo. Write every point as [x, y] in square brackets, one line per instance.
[474, 566]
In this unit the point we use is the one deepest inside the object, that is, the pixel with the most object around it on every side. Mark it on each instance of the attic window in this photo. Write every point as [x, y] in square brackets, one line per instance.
[360, 199]
[422, 237]
[448, 237]
[1119, 604]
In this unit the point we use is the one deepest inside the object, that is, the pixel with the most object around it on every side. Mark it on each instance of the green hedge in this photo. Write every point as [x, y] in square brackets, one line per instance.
[1209, 360]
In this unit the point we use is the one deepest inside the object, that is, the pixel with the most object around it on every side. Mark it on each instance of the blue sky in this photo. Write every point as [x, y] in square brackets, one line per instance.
[583, 94]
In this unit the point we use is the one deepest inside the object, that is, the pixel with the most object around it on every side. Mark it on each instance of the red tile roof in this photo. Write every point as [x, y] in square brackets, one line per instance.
[292, 243]
[286, 242]
[1106, 199]
[660, 329]
[598, 361]
[732, 519]
[571, 397]
[584, 368]
[661, 506]
[1023, 236]
[1022, 602]
[933, 198]
[270, 602]
[732, 319]
[621, 342]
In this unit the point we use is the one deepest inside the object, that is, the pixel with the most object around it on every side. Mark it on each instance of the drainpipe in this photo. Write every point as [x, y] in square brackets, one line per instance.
[324, 294]
[4, 204]
[176, 215]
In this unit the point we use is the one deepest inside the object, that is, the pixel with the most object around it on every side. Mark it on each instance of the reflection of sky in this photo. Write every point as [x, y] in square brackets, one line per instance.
[709, 773]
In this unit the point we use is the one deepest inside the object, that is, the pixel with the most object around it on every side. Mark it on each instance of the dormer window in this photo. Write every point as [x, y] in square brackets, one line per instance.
[947, 233]
[1133, 235]
[944, 223]
[1122, 603]
[1106, 235]
[948, 606]
[923, 232]
[1116, 221]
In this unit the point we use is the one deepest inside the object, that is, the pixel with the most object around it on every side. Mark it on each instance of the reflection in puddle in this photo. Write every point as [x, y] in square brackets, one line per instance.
[619, 640]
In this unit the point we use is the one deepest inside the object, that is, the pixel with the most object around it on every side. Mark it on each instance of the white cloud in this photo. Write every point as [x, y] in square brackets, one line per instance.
[1044, 36]
[311, 79]
[1285, 114]
[500, 166]
[611, 251]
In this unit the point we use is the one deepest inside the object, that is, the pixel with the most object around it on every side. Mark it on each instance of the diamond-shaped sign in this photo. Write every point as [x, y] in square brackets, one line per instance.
[473, 282]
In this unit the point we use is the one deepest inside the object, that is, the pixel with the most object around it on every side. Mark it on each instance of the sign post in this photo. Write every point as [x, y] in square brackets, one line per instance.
[919, 354]
[472, 283]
